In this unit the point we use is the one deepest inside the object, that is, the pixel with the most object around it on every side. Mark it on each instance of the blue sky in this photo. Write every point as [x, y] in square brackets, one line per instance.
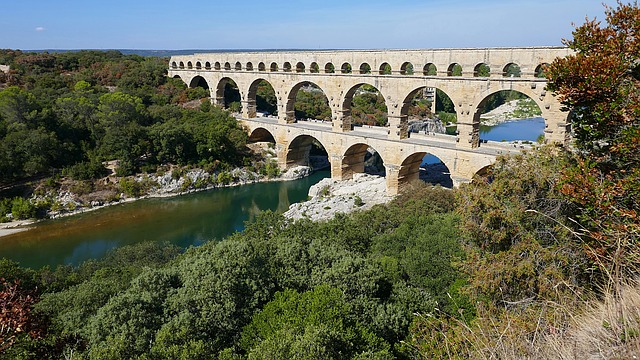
[303, 24]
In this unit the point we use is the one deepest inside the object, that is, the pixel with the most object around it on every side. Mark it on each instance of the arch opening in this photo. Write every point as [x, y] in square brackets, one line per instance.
[300, 67]
[199, 81]
[286, 67]
[249, 66]
[216, 66]
[273, 67]
[365, 106]
[261, 135]
[181, 65]
[430, 69]
[385, 69]
[346, 68]
[361, 159]
[238, 65]
[481, 70]
[510, 116]
[306, 150]
[540, 70]
[406, 68]
[189, 65]
[308, 102]
[198, 65]
[227, 66]
[511, 70]
[454, 69]
[314, 68]
[261, 66]
[174, 65]
[329, 68]
[426, 167]
[207, 65]
[365, 68]
[420, 109]
[262, 94]
[228, 95]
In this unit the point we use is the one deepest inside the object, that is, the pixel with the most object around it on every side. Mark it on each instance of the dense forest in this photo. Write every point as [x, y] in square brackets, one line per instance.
[538, 259]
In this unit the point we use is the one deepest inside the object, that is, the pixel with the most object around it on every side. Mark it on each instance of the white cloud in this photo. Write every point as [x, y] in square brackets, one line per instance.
[40, 29]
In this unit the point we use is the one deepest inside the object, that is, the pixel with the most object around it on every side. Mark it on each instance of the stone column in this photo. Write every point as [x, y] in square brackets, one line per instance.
[398, 127]
[284, 116]
[249, 109]
[392, 173]
[336, 166]
[557, 128]
[468, 130]
[341, 120]
[218, 100]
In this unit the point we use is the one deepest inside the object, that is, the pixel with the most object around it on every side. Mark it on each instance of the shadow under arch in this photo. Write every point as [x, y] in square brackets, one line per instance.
[496, 115]
[306, 150]
[199, 81]
[228, 94]
[361, 158]
[364, 104]
[261, 135]
[262, 97]
[314, 103]
[426, 167]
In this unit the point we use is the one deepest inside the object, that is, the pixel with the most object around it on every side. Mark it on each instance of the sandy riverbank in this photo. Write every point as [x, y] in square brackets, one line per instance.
[13, 227]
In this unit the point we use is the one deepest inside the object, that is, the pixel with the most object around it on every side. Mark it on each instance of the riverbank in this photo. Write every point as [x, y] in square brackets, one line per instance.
[511, 111]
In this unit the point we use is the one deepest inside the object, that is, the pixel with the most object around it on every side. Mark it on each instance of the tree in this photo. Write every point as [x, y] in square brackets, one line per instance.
[600, 84]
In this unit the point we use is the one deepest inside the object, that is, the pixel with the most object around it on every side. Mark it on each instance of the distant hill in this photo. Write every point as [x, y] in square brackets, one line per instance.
[164, 53]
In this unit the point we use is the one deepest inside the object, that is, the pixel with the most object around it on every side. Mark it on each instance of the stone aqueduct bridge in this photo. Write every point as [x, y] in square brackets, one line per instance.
[340, 73]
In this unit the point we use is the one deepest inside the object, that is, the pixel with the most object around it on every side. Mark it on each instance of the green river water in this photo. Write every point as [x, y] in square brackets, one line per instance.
[187, 220]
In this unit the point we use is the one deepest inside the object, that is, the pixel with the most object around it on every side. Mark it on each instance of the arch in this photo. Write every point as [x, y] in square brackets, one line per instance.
[426, 167]
[300, 67]
[540, 70]
[528, 106]
[262, 96]
[189, 65]
[406, 68]
[261, 66]
[181, 65]
[174, 65]
[365, 68]
[227, 66]
[346, 68]
[482, 70]
[227, 93]
[483, 172]
[207, 65]
[385, 69]
[361, 158]
[199, 81]
[300, 149]
[454, 69]
[511, 70]
[249, 66]
[216, 65]
[374, 113]
[261, 134]
[314, 68]
[430, 69]
[238, 66]
[329, 68]
[198, 65]
[273, 67]
[286, 67]
[314, 96]
[419, 103]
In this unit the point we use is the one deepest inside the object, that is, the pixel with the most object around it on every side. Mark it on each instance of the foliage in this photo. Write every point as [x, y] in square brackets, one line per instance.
[16, 314]
[600, 83]
[312, 104]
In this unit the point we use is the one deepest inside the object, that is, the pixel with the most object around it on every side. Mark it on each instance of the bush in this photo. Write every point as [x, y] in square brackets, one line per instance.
[85, 170]
[23, 209]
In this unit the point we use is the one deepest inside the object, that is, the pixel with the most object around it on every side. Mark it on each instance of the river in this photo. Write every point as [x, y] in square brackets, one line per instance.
[187, 220]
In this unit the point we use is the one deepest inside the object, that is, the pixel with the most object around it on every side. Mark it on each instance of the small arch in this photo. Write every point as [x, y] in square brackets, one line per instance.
[189, 65]
[385, 69]
[249, 66]
[273, 67]
[329, 68]
[238, 65]
[365, 68]
[406, 68]
[541, 70]
[261, 66]
[261, 135]
[174, 65]
[300, 67]
[207, 65]
[481, 70]
[345, 68]
[181, 65]
[454, 69]
[286, 67]
[511, 70]
[216, 65]
[198, 65]
[430, 69]
[314, 68]
[227, 66]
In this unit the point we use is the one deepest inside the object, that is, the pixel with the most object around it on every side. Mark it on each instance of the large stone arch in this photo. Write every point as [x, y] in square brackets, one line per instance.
[261, 134]
[411, 167]
[290, 115]
[353, 160]
[220, 88]
[298, 149]
[199, 81]
[347, 98]
[251, 99]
